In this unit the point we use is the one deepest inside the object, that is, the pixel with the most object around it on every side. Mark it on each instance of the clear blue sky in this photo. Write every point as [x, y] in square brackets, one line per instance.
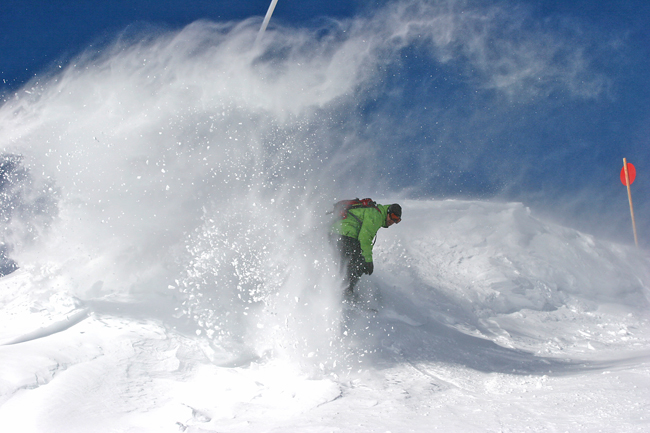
[555, 148]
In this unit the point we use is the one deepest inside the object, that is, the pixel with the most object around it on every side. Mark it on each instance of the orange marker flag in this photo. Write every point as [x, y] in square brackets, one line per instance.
[628, 174]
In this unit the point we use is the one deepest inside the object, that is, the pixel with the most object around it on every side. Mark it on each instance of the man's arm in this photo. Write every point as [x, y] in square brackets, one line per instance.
[372, 222]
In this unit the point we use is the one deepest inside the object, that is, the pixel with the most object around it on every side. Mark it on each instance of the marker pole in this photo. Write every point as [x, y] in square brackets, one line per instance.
[265, 23]
[629, 196]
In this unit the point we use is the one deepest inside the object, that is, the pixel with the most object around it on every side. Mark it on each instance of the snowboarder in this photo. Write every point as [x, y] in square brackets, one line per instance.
[354, 235]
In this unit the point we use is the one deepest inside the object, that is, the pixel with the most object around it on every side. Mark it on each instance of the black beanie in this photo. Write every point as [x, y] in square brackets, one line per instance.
[396, 209]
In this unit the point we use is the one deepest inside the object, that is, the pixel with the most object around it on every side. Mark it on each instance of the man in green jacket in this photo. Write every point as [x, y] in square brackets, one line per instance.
[354, 235]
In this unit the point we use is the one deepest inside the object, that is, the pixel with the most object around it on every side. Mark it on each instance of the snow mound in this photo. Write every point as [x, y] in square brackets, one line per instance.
[501, 259]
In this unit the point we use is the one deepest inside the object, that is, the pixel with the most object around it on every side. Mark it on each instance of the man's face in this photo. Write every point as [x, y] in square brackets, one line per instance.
[391, 219]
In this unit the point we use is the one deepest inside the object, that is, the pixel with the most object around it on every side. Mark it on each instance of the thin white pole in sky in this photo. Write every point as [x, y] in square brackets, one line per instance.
[267, 18]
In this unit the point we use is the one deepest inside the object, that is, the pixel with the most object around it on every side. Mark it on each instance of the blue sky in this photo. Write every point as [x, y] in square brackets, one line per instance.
[447, 128]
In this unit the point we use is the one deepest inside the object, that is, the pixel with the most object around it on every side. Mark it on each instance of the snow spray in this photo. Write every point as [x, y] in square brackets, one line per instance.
[196, 166]
[183, 166]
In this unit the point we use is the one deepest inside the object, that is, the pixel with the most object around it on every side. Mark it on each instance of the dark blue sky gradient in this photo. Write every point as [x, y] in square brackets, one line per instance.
[37, 33]
[447, 137]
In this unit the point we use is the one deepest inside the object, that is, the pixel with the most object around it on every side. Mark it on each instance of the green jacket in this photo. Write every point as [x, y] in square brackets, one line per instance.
[364, 227]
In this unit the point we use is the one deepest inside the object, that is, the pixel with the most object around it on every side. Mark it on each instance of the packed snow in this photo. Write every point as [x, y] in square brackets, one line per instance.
[165, 203]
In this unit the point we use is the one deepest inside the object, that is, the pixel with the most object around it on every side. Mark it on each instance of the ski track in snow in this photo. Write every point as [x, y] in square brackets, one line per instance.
[437, 356]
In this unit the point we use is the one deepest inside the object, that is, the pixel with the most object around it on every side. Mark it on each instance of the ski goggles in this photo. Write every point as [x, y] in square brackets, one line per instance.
[394, 218]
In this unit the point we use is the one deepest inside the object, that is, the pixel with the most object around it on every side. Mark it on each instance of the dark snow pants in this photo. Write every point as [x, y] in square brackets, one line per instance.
[352, 261]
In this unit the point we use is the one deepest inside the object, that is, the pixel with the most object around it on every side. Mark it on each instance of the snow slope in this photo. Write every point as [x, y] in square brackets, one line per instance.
[489, 320]
[165, 197]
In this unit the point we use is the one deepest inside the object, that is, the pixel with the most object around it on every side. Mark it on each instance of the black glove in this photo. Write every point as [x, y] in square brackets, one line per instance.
[368, 268]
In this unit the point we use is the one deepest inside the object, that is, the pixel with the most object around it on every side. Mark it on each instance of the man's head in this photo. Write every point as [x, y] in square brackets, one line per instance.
[394, 215]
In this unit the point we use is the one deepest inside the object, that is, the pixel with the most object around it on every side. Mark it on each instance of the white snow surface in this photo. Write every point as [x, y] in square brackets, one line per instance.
[488, 320]
[165, 199]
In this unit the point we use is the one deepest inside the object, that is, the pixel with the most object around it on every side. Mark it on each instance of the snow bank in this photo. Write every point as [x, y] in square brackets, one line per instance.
[498, 258]
[256, 289]
[459, 329]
